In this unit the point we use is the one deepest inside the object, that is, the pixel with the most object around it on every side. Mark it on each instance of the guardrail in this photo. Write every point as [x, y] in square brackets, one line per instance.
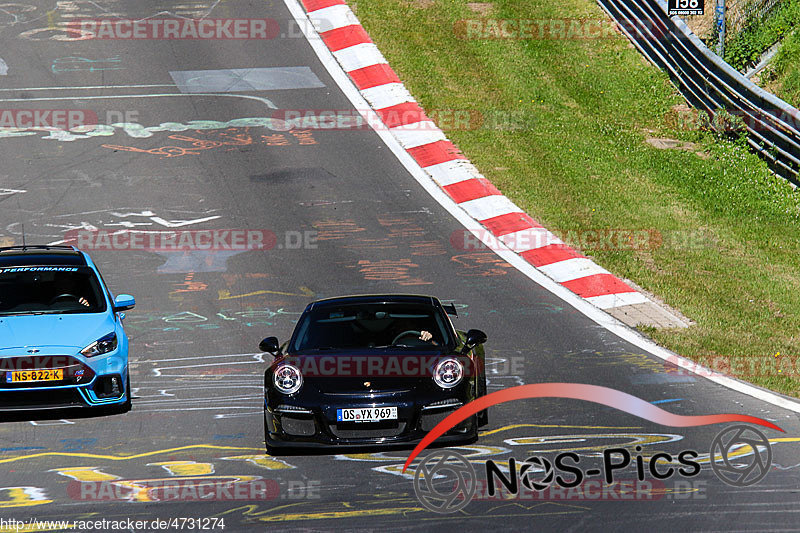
[710, 84]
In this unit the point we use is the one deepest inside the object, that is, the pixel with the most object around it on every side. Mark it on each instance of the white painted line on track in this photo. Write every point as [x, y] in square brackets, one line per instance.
[256, 355]
[91, 87]
[265, 101]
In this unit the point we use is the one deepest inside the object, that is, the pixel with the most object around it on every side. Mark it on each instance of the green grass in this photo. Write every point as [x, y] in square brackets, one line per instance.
[783, 74]
[746, 47]
[583, 163]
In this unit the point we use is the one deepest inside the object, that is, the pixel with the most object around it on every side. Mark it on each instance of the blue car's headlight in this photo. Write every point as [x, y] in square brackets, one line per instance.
[102, 345]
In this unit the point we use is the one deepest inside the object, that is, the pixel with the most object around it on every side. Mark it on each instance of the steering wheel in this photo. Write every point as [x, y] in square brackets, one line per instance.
[63, 297]
[407, 334]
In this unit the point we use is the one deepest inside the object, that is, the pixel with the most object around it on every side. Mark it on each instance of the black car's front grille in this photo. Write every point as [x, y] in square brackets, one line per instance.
[75, 372]
[303, 426]
[40, 399]
[368, 430]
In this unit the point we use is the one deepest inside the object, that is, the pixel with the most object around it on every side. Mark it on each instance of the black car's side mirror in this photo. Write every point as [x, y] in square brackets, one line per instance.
[474, 338]
[270, 345]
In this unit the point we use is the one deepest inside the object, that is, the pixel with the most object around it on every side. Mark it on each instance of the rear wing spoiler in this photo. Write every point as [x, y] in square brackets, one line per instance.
[450, 309]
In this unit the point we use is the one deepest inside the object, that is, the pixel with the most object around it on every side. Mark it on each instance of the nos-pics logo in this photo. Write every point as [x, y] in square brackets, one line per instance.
[445, 481]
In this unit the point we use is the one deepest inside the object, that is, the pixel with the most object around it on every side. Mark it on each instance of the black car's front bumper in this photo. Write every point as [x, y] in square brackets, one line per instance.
[297, 424]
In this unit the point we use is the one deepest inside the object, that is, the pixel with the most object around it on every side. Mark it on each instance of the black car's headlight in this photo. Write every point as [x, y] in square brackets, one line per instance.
[105, 344]
[287, 379]
[448, 373]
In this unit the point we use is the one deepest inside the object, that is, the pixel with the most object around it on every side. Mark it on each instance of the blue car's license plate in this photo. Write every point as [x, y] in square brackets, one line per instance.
[366, 414]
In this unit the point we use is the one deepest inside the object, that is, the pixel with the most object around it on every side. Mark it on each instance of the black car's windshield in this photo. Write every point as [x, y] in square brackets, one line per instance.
[381, 325]
[49, 289]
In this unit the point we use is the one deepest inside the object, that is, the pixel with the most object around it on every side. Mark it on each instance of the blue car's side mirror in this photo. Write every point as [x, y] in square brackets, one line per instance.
[123, 302]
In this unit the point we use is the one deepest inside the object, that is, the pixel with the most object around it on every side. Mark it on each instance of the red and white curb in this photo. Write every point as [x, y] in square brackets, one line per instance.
[380, 86]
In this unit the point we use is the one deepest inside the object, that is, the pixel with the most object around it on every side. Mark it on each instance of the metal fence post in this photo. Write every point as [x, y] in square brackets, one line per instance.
[720, 16]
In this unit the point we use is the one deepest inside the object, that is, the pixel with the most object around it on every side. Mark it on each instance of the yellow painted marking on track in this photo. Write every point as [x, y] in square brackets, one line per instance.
[226, 295]
[537, 509]
[264, 461]
[23, 497]
[368, 457]
[185, 468]
[125, 458]
[85, 473]
[741, 451]
[477, 450]
[289, 517]
[139, 487]
[515, 426]
[411, 471]
[468, 451]
[644, 439]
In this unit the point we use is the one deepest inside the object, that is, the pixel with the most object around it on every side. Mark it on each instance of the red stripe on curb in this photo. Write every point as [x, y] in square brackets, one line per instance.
[435, 153]
[401, 114]
[547, 255]
[345, 37]
[597, 285]
[374, 75]
[509, 223]
[314, 5]
[443, 151]
[467, 190]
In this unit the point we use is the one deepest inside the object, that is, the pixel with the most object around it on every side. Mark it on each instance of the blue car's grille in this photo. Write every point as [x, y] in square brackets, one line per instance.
[55, 398]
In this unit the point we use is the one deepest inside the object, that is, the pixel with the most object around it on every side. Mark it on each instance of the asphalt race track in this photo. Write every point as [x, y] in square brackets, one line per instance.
[366, 226]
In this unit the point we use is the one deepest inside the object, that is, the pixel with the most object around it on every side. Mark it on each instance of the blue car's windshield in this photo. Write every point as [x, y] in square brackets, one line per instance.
[382, 325]
[50, 289]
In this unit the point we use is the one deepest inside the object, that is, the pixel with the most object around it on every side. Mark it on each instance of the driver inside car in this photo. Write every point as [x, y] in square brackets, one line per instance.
[412, 328]
[427, 337]
[67, 285]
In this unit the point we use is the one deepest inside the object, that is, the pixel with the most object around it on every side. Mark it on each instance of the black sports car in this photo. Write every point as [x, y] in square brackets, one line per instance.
[371, 370]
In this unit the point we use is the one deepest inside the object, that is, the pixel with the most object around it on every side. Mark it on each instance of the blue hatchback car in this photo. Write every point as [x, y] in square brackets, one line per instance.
[62, 344]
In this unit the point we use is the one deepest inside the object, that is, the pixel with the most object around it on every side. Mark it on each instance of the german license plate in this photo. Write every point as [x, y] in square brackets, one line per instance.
[35, 375]
[366, 414]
